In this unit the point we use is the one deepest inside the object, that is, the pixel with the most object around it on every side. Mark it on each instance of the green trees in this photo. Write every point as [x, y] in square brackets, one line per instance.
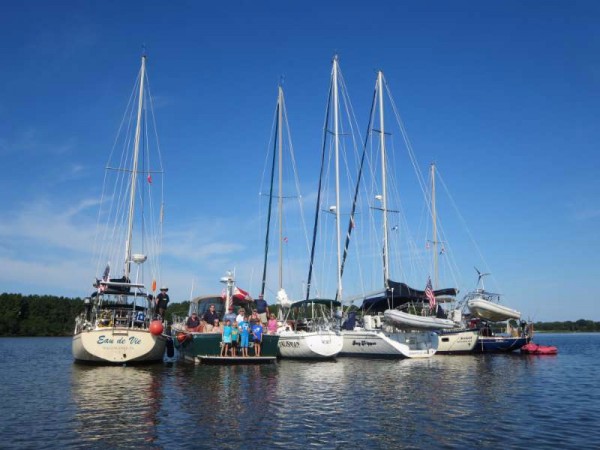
[35, 315]
[580, 326]
[48, 315]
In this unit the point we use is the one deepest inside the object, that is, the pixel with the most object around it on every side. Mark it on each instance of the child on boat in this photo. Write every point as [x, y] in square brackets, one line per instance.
[244, 335]
[272, 325]
[235, 338]
[257, 332]
[226, 338]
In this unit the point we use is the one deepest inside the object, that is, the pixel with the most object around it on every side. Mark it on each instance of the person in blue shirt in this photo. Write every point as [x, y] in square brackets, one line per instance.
[235, 338]
[226, 337]
[257, 333]
[244, 328]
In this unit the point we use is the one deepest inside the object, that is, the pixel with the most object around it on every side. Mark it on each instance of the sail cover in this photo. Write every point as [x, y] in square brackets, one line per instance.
[399, 294]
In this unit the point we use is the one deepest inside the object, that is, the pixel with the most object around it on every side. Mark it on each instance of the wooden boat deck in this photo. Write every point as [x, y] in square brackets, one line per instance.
[235, 359]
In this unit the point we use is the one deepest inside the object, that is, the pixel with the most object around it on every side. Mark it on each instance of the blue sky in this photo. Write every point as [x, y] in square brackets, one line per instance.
[501, 95]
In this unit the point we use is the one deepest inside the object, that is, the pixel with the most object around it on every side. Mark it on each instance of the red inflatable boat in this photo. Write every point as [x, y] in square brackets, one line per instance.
[534, 349]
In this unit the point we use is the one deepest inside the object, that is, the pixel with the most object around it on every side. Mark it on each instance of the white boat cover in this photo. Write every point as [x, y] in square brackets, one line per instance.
[414, 322]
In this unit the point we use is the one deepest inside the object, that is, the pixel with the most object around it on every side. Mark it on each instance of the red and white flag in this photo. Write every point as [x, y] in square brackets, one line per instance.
[240, 294]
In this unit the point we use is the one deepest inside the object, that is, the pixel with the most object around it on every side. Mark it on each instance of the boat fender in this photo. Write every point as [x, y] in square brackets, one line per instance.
[156, 327]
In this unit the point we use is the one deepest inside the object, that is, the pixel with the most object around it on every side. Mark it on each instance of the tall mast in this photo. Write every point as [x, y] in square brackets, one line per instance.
[337, 177]
[434, 218]
[134, 170]
[268, 229]
[280, 203]
[386, 273]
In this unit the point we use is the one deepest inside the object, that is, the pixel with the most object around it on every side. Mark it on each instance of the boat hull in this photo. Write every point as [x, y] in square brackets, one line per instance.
[407, 321]
[118, 346]
[493, 312]
[499, 344]
[197, 345]
[381, 344]
[457, 341]
[310, 344]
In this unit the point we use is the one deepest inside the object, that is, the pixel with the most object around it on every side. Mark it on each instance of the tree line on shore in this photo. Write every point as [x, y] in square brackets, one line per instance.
[48, 315]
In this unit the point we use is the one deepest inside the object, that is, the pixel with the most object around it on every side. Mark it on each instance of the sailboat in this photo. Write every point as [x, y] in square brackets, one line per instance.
[375, 336]
[456, 339]
[116, 326]
[308, 336]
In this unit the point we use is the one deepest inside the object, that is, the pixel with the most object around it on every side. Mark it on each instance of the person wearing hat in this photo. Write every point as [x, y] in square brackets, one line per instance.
[162, 300]
[230, 315]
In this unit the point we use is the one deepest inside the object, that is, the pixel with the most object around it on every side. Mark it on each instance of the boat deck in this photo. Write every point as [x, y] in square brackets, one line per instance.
[234, 359]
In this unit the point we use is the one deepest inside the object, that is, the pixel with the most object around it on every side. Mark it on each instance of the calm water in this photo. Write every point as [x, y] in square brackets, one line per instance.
[474, 401]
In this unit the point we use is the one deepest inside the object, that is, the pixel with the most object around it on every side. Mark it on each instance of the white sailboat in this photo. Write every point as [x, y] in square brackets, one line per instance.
[377, 336]
[117, 325]
[309, 336]
[457, 338]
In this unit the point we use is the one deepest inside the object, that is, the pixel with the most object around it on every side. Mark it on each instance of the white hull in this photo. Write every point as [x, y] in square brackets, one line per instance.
[457, 341]
[378, 343]
[118, 345]
[493, 312]
[407, 321]
[309, 345]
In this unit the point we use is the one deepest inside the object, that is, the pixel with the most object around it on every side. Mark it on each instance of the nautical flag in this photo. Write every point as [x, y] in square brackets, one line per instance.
[442, 251]
[285, 239]
[240, 294]
[429, 294]
[150, 179]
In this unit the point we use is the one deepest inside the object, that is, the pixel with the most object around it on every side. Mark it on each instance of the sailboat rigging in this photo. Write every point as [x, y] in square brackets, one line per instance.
[117, 325]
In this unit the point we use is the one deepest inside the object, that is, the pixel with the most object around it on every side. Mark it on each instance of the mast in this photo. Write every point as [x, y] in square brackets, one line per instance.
[277, 126]
[337, 177]
[434, 227]
[386, 273]
[136, 148]
[280, 202]
[318, 205]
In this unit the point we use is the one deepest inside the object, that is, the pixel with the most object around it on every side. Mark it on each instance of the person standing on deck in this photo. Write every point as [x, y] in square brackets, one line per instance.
[162, 301]
[244, 328]
[262, 308]
[226, 337]
[241, 317]
[257, 333]
[235, 338]
[230, 315]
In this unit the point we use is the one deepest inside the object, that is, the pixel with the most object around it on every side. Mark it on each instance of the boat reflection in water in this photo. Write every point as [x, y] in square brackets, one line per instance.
[116, 406]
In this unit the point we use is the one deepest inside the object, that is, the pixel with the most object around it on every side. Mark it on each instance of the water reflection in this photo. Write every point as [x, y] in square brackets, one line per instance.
[116, 406]
[473, 401]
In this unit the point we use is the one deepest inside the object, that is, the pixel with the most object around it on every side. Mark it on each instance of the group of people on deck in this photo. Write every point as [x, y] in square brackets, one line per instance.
[237, 330]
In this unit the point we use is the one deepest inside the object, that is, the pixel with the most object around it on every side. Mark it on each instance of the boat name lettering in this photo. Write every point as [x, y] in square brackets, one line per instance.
[122, 340]
[289, 344]
[363, 343]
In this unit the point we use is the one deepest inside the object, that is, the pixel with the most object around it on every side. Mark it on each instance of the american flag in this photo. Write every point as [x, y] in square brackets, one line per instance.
[429, 294]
